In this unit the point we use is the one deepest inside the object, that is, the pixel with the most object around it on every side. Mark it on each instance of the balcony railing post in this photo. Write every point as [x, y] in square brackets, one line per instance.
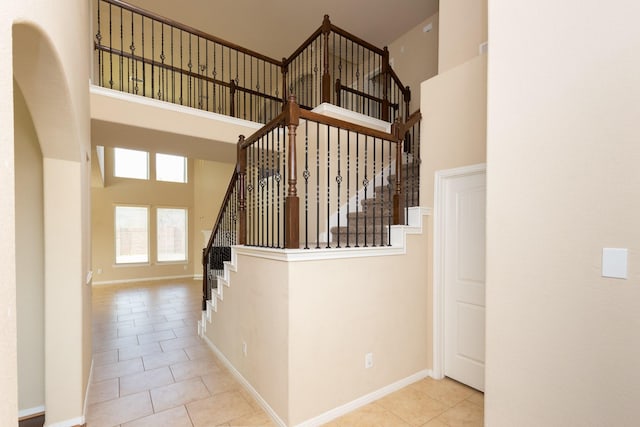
[232, 98]
[326, 76]
[241, 167]
[385, 85]
[285, 70]
[398, 205]
[292, 202]
[407, 100]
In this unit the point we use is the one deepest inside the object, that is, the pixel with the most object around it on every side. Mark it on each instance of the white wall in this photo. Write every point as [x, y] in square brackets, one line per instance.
[563, 105]
[48, 55]
[29, 259]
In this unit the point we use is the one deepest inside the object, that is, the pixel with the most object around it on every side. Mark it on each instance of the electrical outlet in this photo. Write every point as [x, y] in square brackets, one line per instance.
[368, 360]
[244, 348]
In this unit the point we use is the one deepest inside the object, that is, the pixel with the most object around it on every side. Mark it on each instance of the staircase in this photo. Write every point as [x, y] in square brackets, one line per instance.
[368, 226]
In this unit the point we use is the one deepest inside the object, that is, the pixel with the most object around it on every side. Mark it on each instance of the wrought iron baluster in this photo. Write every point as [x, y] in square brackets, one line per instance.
[357, 191]
[373, 200]
[338, 181]
[365, 184]
[305, 175]
[317, 186]
[348, 182]
[328, 185]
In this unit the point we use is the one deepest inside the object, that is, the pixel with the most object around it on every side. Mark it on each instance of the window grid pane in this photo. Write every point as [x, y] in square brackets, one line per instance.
[171, 168]
[131, 163]
[172, 234]
[132, 234]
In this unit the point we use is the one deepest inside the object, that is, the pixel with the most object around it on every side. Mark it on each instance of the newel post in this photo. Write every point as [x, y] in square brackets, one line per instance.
[386, 85]
[241, 168]
[292, 202]
[326, 77]
[398, 205]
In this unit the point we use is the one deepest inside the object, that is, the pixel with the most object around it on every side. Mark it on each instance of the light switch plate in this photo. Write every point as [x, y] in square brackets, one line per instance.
[614, 263]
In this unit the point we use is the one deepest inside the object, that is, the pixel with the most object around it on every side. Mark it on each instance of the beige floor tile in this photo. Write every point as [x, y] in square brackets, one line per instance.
[134, 330]
[218, 409]
[156, 336]
[372, 415]
[176, 417]
[146, 380]
[412, 406]
[177, 394]
[150, 320]
[118, 369]
[105, 358]
[100, 346]
[103, 391]
[200, 351]
[435, 423]
[447, 391]
[250, 400]
[193, 368]
[464, 414]
[260, 419]
[163, 358]
[221, 381]
[180, 343]
[133, 316]
[133, 351]
[117, 411]
[187, 331]
[163, 326]
[477, 397]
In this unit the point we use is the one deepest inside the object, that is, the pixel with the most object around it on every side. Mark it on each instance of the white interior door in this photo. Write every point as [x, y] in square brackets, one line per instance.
[464, 278]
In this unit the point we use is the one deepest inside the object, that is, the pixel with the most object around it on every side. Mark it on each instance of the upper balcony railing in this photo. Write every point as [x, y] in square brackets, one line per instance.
[140, 52]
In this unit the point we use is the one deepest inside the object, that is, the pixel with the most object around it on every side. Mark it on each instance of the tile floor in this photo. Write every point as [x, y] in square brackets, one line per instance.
[151, 369]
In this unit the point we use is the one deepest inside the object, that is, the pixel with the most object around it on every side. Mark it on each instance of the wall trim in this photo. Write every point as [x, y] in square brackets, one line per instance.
[36, 411]
[246, 384]
[398, 244]
[142, 279]
[143, 100]
[438, 259]
[365, 400]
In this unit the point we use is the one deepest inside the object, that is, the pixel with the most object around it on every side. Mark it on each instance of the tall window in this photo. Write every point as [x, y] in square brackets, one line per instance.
[171, 168]
[132, 234]
[131, 163]
[172, 234]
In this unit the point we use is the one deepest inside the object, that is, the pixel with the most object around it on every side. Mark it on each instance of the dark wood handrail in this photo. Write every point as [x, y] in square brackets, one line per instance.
[191, 30]
[303, 46]
[348, 126]
[168, 67]
[356, 39]
[183, 71]
[393, 105]
[412, 120]
[274, 123]
[396, 79]
[225, 201]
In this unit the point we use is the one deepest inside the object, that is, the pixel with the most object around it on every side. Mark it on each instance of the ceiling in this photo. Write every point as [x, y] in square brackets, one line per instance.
[277, 27]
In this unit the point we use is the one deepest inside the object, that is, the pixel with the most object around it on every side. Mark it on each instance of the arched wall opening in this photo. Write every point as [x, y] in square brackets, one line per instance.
[41, 85]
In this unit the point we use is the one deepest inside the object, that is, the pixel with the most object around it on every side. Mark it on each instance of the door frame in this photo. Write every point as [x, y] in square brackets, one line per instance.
[441, 179]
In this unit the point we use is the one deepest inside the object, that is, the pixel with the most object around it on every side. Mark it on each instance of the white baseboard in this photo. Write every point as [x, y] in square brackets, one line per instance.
[331, 414]
[143, 279]
[364, 400]
[86, 394]
[274, 417]
[30, 412]
[67, 423]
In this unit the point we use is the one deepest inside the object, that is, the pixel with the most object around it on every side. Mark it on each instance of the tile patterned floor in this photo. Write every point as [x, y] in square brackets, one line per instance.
[151, 369]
